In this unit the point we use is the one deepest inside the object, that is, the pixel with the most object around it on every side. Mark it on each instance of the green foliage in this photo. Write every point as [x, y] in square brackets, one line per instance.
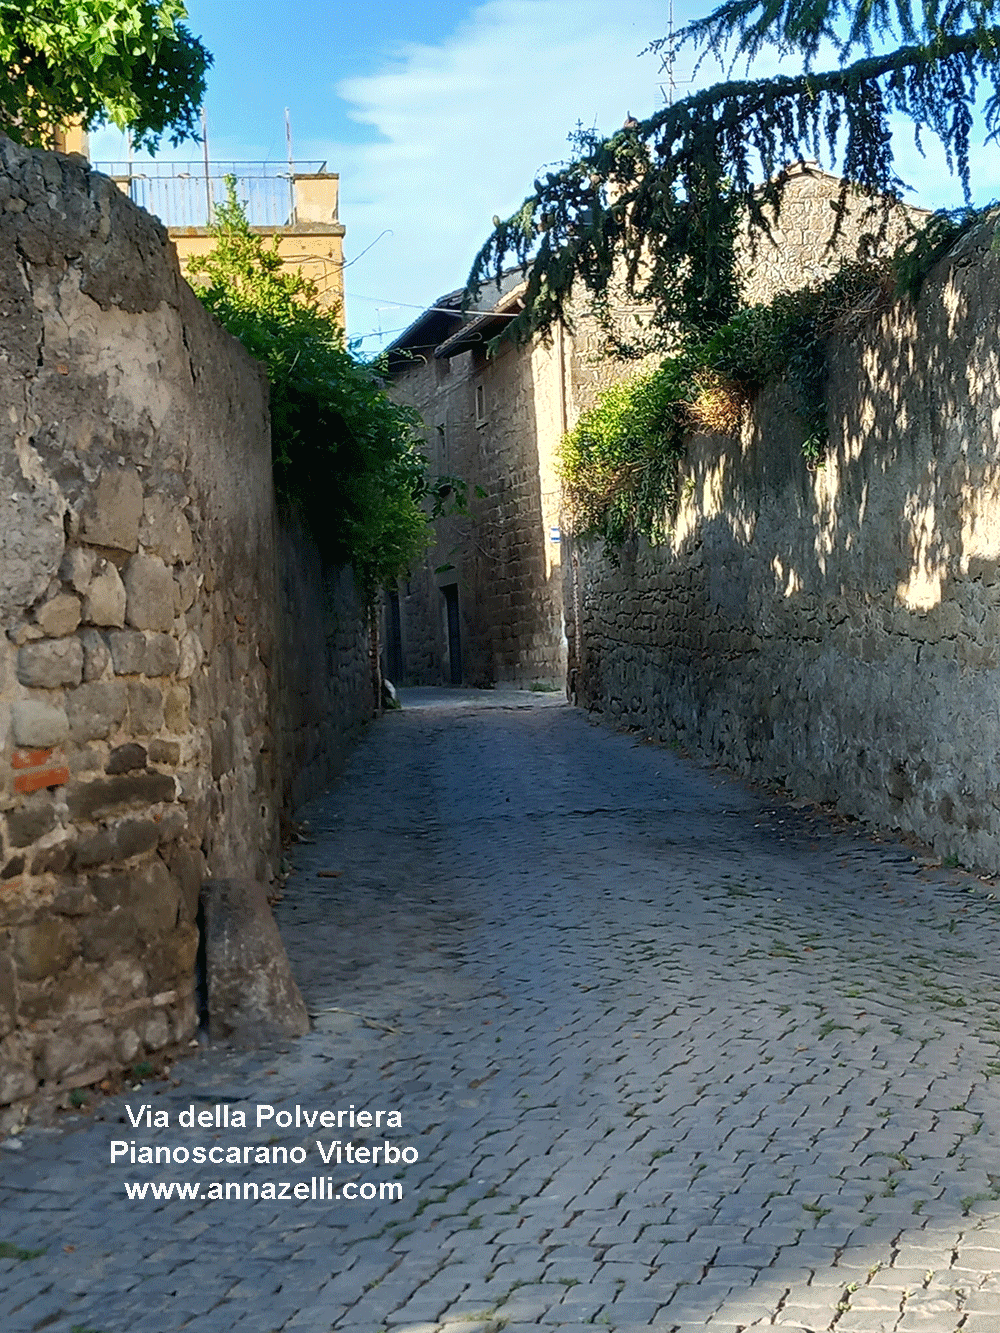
[655, 205]
[10, 1251]
[345, 456]
[130, 62]
[621, 464]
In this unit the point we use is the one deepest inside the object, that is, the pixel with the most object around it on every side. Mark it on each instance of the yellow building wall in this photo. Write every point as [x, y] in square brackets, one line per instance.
[318, 255]
[314, 244]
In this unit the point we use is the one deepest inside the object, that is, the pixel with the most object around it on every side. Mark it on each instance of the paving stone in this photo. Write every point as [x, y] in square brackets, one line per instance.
[613, 924]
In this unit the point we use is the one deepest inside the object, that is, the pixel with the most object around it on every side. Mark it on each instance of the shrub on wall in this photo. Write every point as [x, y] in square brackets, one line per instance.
[620, 465]
[345, 456]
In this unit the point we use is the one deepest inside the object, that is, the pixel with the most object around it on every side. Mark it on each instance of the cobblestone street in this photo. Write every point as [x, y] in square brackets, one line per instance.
[671, 1054]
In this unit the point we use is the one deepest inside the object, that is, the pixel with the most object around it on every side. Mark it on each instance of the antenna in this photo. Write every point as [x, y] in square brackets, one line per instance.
[208, 174]
[669, 89]
[291, 168]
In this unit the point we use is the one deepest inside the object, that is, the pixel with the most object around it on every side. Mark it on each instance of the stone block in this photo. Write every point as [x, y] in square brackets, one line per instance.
[44, 947]
[96, 709]
[154, 899]
[128, 1046]
[39, 724]
[52, 860]
[126, 758]
[128, 838]
[96, 655]
[108, 936]
[94, 799]
[162, 655]
[135, 836]
[50, 663]
[60, 615]
[113, 510]
[187, 865]
[252, 995]
[86, 1050]
[149, 586]
[164, 531]
[164, 752]
[140, 902]
[95, 850]
[145, 707]
[77, 568]
[170, 962]
[105, 600]
[172, 824]
[187, 586]
[191, 655]
[128, 652]
[17, 1077]
[31, 821]
[156, 1031]
[176, 706]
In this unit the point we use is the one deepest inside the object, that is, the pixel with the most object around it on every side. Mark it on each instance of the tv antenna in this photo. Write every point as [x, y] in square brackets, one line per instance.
[669, 89]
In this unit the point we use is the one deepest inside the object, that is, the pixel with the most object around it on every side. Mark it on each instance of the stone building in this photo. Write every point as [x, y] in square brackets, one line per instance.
[486, 607]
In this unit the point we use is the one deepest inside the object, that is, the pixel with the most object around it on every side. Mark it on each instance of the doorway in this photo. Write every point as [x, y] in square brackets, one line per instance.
[454, 634]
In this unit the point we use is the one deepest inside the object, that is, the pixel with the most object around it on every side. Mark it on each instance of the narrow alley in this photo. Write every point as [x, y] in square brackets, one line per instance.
[663, 1053]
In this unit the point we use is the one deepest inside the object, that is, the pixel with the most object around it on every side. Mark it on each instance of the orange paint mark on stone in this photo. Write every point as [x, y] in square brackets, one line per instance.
[39, 778]
[30, 758]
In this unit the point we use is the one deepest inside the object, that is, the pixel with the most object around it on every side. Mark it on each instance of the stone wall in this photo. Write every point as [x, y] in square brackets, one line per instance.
[325, 687]
[801, 247]
[835, 630]
[494, 422]
[142, 719]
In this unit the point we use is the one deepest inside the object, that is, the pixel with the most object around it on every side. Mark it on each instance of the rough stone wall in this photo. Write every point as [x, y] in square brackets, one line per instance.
[501, 555]
[138, 681]
[801, 248]
[836, 630]
[325, 689]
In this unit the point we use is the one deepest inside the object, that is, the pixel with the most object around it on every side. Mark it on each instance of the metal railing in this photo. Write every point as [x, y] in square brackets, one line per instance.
[185, 194]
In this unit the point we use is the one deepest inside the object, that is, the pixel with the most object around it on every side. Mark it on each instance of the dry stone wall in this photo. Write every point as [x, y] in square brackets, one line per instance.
[142, 717]
[835, 630]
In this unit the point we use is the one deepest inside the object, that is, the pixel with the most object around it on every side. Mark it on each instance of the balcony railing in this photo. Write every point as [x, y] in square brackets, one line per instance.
[183, 194]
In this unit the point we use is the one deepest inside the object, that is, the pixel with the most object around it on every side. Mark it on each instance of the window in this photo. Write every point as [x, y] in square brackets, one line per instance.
[480, 405]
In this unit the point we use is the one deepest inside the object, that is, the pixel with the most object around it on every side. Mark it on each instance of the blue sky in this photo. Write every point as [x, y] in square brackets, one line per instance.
[437, 116]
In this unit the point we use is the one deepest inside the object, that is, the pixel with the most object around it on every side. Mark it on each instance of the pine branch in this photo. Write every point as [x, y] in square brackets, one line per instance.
[660, 200]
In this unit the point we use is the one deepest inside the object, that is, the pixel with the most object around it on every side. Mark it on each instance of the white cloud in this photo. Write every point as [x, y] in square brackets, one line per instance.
[463, 127]
[460, 129]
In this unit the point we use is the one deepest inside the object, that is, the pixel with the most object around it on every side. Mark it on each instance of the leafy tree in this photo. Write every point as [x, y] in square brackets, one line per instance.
[130, 62]
[663, 195]
[345, 457]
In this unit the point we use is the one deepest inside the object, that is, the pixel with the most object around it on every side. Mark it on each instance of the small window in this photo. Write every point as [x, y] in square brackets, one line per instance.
[480, 405]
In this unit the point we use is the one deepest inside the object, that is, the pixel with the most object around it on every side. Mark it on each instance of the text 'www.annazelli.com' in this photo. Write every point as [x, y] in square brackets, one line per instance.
[318, 1187]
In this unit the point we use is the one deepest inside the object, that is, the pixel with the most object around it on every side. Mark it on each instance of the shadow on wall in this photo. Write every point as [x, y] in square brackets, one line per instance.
[836, 630]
